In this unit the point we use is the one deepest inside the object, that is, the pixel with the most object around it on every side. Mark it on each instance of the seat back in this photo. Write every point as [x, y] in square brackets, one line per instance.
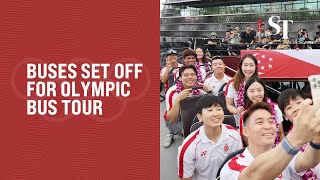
[230, 120]
[223, 99]
[171, 78]
[188, 112]
[195, 126]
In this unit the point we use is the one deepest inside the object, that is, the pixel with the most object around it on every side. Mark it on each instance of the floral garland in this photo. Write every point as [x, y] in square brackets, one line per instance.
[309, 175]
[277, 140]
[181, 88]
[240, 100]
[206, 66]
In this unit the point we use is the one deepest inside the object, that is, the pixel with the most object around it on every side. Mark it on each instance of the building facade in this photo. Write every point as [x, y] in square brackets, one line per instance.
[198, 18]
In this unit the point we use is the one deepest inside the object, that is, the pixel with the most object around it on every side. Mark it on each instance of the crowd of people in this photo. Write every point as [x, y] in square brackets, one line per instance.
[270, 140]
[264, 38]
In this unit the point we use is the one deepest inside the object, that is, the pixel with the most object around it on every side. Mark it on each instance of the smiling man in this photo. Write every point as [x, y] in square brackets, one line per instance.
[261, 161]
[177, 93]
[204, 150]
[190, 58]
[218, 78]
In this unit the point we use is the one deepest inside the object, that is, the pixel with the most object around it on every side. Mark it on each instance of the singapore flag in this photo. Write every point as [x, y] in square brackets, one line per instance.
[284, 64]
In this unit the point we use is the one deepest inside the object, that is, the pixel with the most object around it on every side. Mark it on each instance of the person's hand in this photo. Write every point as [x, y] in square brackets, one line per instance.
[306, 126]
[168, 64]
[207, 88]
[316, 139]
[240, 110]
[184, 94]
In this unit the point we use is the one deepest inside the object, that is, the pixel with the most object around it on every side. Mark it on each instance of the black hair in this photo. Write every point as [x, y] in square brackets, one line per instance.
[207, 101]
[287, 95]
[239, 76]
[253, 108]
[204, 57]
[217, 57]
[262, 25]
[247, 101]
[187, 67]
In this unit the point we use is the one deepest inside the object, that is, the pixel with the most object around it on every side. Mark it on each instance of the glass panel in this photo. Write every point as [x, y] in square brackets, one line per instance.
[298, 6]
[256, 8]
[311, 6]
[265, 7]
[311, 1]
[287, 6]
[247, 8]
[275, 7]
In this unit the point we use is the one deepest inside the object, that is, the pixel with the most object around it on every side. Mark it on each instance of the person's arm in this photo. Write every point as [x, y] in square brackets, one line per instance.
[281, 132]
[173, 113]
[164, 77]
[230, 106]
[186, 161]
[309, 158]
[271, 163]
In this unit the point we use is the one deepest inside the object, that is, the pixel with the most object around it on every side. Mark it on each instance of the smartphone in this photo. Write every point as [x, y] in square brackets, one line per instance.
[197, 87]
[314, 81]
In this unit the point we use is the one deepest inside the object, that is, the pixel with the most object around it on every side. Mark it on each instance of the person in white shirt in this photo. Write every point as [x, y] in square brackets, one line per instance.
[172, 66]
[289, 103]
[204, 150]
[177, 93]
[261, 161]
[190, 58]
[262, 33]
[202, 60]
[218, 77]
[256, 91]
[248, 67]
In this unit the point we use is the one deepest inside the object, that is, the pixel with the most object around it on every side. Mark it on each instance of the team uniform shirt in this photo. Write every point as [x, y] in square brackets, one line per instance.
[215, 83]
[233, 168]
[171, 96]
[277, 110]
[205, 66]
[201, 158]
[232, 93]
[202, 71]
[163, 71]
[316, 170]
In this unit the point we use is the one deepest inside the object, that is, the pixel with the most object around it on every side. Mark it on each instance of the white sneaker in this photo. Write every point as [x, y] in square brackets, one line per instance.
[168, 140]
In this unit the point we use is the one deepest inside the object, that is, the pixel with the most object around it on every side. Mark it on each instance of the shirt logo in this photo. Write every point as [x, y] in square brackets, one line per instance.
[203, 153]
[226, 147]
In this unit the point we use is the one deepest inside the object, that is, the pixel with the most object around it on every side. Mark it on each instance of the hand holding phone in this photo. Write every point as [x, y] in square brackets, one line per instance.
[314, 81]
[197, 87]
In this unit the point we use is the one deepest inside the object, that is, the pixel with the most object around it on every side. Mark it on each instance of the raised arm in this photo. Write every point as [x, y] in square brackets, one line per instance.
[270, 164]
[174, 112]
